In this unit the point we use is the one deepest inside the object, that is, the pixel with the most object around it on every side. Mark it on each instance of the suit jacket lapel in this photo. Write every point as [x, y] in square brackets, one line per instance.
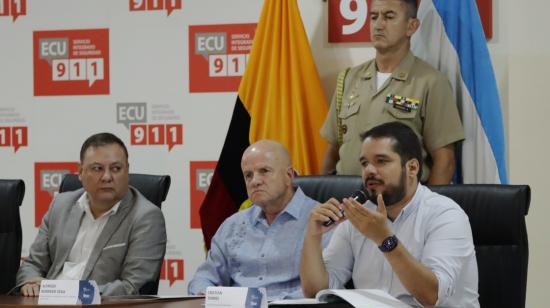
[108, 231]
[67, 238]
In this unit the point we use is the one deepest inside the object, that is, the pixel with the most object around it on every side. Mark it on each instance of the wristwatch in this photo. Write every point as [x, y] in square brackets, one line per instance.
[389, 244]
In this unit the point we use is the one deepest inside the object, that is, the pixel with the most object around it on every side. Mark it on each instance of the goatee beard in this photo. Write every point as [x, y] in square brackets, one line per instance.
[392, 195]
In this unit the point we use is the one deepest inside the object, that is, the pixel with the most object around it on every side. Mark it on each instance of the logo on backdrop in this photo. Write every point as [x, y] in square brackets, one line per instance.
[172, 266]
[47, 179]
[201, 173]
[348, 20]
[13, 136]
[218, 55]
[172, 270]
[13, 8]
[134, 117]
[155, 5]
[14, 133]
[71, 62]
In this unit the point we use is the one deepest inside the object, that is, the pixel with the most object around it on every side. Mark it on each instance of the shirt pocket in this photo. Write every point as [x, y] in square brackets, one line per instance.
[114, 246]
[401, 114]
[349, 110]
[113, 255]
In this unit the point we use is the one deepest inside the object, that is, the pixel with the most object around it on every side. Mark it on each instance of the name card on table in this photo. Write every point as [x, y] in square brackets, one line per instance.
[69, 292]
[235, 297]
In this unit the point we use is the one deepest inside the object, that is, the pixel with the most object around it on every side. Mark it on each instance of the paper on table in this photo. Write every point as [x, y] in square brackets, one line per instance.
[300, 301]
[363, 297]
[150, 297]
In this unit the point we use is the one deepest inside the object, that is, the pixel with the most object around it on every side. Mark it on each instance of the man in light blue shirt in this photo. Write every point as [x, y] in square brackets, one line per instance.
[406, 240]
[261, 246]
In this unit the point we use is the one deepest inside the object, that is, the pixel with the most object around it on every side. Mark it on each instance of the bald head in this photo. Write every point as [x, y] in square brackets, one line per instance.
[273, 150]
[268, 175]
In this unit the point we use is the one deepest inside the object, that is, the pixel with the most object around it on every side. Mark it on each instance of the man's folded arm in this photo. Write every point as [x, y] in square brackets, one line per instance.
[39, 260]
[330, 159]
[214, 271]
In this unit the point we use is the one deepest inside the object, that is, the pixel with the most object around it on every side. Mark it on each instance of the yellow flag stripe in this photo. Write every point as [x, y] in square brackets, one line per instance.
[281, 88]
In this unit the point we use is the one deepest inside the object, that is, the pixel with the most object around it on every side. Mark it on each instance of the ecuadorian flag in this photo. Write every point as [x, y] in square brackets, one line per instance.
[280, 98]
[451, 39]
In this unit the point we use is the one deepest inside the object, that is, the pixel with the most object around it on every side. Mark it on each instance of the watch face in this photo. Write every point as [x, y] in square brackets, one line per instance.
[389, 244]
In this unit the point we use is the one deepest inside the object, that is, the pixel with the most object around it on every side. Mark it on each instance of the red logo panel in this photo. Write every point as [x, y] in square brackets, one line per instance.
[13, 8]
[200, 174]
[218, 55]
[348, 20]
[155, 5]
[71, 62]
[47, 179]
[16, 137]
[156, 134]
[485, 8]
[172, 270]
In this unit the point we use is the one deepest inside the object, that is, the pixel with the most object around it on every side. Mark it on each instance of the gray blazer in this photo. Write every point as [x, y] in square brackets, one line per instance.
[128, 253]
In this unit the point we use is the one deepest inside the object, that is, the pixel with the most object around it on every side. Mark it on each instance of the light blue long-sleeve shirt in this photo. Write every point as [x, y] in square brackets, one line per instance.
[246, 251]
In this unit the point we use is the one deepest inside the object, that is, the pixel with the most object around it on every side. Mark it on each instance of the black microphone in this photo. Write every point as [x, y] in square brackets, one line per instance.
[358, 196]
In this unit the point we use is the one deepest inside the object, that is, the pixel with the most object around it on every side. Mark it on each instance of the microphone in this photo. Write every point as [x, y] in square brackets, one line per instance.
[358, 196]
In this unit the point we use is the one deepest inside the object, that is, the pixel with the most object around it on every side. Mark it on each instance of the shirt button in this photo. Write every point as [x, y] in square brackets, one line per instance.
[262, 255]
[261, 278]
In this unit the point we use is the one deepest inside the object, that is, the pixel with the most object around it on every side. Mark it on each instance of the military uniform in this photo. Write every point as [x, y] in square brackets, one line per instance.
[415, 94]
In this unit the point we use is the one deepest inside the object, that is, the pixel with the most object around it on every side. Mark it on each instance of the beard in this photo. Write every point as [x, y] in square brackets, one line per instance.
[392, 193]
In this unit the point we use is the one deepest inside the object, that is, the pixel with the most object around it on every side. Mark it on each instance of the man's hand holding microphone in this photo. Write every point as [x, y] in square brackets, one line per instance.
[372, 224]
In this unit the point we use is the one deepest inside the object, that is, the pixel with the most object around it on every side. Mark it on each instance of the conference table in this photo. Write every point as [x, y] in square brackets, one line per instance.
[181, 302]
[22, 301]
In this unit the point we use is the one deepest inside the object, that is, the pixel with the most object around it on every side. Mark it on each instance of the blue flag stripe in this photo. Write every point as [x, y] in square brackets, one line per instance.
[463, 28]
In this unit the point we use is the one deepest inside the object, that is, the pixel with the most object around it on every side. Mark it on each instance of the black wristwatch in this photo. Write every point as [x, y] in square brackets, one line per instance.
[389, 244]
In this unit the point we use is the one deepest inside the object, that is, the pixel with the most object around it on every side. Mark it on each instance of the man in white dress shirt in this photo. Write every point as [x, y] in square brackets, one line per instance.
[407, 240]
[107, 231]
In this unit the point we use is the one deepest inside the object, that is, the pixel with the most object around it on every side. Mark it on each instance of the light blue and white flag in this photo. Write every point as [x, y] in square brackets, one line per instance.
[451, 39]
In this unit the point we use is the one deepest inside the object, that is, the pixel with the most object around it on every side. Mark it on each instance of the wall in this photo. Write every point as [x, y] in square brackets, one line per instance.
[149, 63]
[528, 54]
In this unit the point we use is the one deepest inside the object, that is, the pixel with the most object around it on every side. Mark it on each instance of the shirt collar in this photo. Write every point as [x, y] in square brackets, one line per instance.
[84, 205]
[412, 205]
[293, 208]
[400, 73]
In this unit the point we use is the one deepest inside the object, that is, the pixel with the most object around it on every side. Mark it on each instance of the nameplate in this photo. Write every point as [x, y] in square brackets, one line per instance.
[68, 292]
[235, 297]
